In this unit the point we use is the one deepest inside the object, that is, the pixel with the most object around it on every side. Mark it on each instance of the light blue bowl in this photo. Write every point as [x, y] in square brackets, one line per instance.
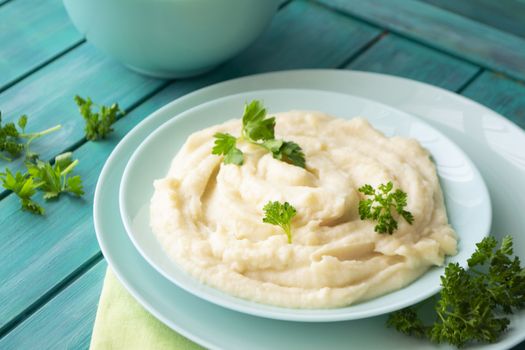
[171, 38]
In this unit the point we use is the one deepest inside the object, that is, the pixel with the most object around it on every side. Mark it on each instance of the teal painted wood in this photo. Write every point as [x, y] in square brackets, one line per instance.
[501, 94]
[42, 252]
[87, 72]
[304, 35]
[65, 322]
[31, 33]
[398, 56]
[463, 37]
[81, 71]
[47, 96]
[506, 15]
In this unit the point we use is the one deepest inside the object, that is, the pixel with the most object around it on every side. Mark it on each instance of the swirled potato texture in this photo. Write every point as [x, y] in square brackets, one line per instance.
[208, 215]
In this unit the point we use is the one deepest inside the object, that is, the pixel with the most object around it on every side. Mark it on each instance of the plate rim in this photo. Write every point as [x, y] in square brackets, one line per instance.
[311, 73]
[234, 303]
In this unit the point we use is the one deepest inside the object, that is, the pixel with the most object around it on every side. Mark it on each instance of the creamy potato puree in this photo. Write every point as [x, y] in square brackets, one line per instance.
[208, 215]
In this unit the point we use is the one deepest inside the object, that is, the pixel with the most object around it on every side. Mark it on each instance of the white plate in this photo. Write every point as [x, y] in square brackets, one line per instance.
[466, 195]
[495, 145]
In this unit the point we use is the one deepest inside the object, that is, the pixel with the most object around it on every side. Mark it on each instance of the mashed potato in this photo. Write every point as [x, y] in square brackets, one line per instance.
[208, 215]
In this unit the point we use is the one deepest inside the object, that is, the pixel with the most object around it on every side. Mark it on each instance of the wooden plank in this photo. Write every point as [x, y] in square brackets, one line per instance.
[47, 96]
[506, 15]
[31, 33]
[444, 30]
[501, 94]
[304, 35]
[87, 72]
[398, 56]
[41, 252]
[66, 321]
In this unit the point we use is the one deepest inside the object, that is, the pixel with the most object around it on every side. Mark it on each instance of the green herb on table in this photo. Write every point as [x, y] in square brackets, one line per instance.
[259, 130]
[380, 205]
[24, 187]
[280, 215]
[55, 179]
[98, 124]
[52, 180]
[472, 304]
[14, 141]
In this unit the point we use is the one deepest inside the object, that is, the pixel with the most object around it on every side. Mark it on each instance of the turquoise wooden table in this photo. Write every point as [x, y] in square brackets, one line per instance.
[51, 267]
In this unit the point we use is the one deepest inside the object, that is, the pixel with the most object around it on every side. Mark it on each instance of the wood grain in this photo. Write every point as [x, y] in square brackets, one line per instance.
[40, 252]
[504, 95]
[66, 321]
[506, 15]
[398, 56]
[47, 96]
[435, 27]
[44, 251]
[304, 35]
[32, 33]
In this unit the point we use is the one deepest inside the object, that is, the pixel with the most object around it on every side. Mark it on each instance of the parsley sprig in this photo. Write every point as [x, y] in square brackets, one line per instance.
[258, 130]
[379, 207]
[98, 124]
[472, 304]
[24, 187]
[14, 140]
[55, 179]
[281, 215]
[225, 144]
[52, 180]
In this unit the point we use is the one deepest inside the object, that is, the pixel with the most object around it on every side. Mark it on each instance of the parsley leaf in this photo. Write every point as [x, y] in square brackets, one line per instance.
[11, 139]
[255, 125]
[472, 304]
[225, 144]
[74, 186]
[483, 251]
[98, 124]
[24, 187]
[54, 179]
[505, 275]
[258, 130]
[280, 215]
[42, 176]
[287, 151]
[379, 207]
[408, 322]
[22, 122]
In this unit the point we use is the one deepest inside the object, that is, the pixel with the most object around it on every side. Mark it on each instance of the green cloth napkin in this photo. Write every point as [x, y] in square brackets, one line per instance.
[122, 323]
